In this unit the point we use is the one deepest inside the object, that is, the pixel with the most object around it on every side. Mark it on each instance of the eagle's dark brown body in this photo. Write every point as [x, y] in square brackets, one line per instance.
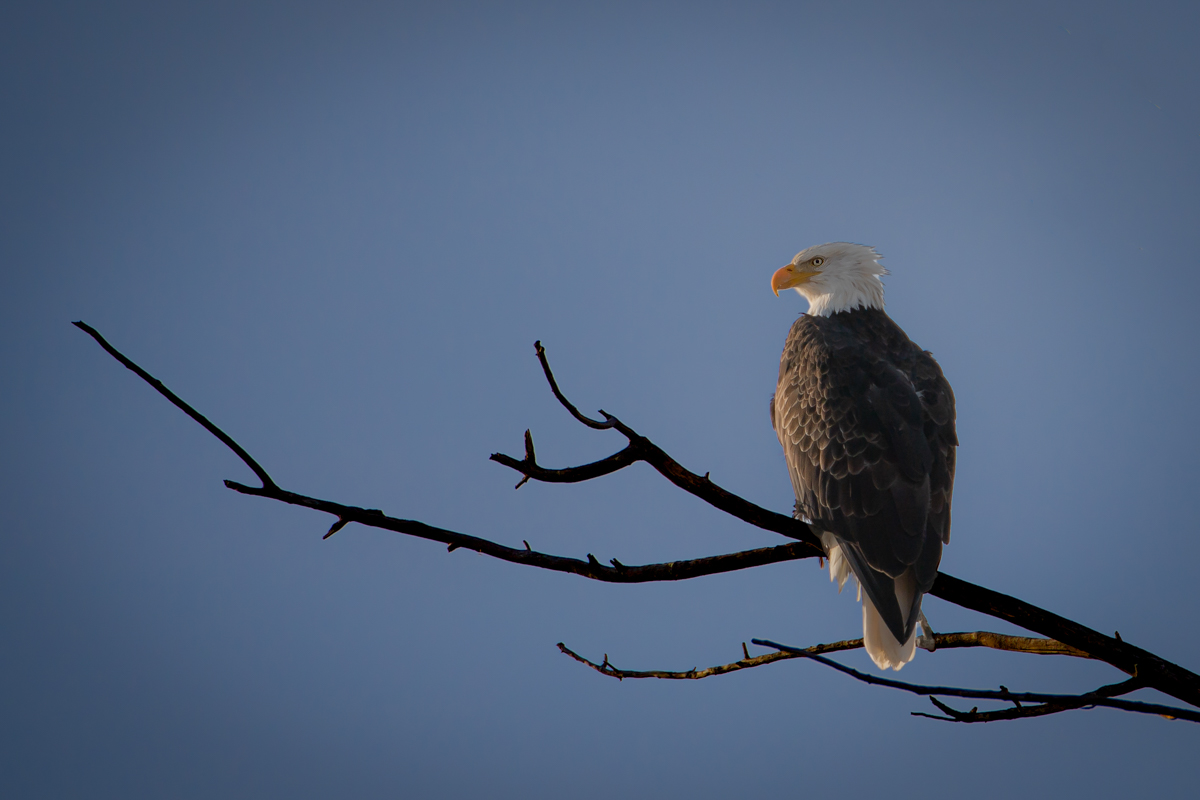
[866, 420]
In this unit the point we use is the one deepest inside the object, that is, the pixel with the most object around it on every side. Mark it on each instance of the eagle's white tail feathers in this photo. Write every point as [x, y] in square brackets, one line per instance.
[878, 640]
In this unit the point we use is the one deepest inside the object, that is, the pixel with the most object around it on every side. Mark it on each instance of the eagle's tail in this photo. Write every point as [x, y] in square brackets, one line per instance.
[881, 645]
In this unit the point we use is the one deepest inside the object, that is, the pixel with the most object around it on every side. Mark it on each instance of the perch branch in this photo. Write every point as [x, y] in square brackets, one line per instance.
[1153, 671]
[944, 641]
[1157, 672]
[605, 668]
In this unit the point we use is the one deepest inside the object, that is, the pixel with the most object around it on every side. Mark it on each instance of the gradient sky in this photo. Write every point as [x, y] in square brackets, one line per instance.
[338, 229]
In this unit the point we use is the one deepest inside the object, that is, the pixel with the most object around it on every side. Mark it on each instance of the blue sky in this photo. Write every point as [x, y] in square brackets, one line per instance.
[337, 230]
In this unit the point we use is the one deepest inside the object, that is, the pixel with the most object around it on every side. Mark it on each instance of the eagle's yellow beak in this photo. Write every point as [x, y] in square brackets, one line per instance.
[788, 277]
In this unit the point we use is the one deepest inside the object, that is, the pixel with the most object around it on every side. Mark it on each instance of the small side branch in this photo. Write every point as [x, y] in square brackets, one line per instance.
[567, 404]
[1065, 701]
[1019, 711]
[529, 467]
[224, 438]
[1046, 704]
[642, 449]
[606, 668]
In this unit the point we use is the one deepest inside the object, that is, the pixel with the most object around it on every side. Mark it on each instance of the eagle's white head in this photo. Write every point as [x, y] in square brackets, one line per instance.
[834, 277]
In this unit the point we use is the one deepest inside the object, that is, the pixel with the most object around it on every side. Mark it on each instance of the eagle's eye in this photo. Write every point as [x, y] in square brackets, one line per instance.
[818, 261]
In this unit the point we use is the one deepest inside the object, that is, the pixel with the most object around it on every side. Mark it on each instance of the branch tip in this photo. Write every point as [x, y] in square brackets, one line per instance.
[335, 527]
[562, 399]
[178, 402]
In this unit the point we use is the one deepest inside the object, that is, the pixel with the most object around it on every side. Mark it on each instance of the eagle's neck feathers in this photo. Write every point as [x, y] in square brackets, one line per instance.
[846, 294]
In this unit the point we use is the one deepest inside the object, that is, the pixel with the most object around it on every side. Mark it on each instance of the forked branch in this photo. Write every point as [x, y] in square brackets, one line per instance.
[615, 572]
[1046, 704]
[642, 449]
[1105, 696]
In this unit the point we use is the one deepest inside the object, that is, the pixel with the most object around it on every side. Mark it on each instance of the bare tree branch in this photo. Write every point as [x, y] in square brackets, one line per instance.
[224, 438]
[1157, 672]
[1153, 671]
[1013, 644]
[606, 668]
[1162, 674]
[943, 641]
[529, 467]
[642, 449]
[591, 568]
[1019, 711]
[1067, 701]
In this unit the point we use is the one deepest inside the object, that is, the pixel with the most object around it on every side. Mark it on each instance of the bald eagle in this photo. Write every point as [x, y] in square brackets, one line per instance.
[866, 420]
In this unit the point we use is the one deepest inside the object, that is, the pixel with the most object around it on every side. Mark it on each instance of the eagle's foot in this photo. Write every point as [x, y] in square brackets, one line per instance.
[926, 640]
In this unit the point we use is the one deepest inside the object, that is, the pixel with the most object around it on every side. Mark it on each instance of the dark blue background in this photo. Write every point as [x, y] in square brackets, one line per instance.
[337, 230]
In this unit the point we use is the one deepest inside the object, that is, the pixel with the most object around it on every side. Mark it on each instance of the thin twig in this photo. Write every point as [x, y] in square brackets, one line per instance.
[607, 668]
[224, 438]
[1025, 712]
[975, 715]
[642, 449]
[529, 468]
[567, 404]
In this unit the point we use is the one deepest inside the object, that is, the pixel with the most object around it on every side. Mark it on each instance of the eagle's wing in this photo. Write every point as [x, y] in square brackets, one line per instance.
[870, 451]
[937, 407]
